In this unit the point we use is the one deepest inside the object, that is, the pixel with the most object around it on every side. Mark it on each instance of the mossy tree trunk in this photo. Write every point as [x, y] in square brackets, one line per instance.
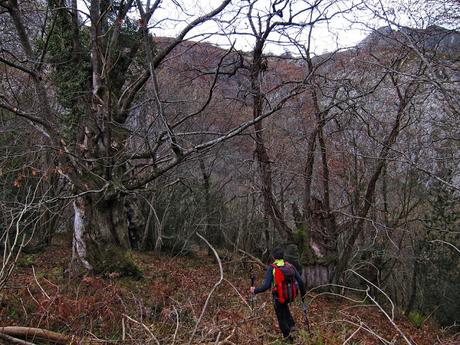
[101, 241]
[319, 248]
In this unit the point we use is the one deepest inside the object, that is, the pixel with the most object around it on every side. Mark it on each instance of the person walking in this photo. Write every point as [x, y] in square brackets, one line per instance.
[285, 281]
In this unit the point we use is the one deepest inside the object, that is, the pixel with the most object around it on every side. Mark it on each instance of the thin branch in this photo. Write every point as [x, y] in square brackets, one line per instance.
[128, 98]
[177, 325]
[257, 261]
[448, 243]
[216, 285]
[239, 295]
[36, 280]
[131, 185]
[352, 335]
[25, 115]
[144, 326]
[373, 299]
[369, 330]
[21, 68]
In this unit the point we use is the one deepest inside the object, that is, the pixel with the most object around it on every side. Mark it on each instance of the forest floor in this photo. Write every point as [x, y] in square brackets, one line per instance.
[165, 306]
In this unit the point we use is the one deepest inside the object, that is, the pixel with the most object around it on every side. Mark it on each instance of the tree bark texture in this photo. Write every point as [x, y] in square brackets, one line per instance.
[320, 247]
[101, 242]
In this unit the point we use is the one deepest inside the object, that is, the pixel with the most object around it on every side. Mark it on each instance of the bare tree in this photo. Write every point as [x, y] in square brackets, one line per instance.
[93, 126]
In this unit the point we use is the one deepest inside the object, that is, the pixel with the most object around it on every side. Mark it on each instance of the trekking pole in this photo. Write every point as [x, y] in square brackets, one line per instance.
[252, 299]
[305, 312]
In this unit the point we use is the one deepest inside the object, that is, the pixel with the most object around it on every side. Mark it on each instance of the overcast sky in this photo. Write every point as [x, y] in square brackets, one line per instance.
[342, 31]
[339, 32]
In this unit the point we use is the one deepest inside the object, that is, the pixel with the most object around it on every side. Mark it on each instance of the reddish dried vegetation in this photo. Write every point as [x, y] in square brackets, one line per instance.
[167, 302]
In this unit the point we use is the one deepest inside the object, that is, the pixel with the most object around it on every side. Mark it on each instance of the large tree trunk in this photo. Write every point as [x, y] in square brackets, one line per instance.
[271, 207]
[136, 223]
[206, 185]
[101, 241]
[320, 240]
[320, 246]
[88, 122]
[147, 235]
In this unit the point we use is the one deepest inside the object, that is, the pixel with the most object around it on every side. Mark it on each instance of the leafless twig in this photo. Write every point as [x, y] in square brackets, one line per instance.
[241, 297]
[145, 327]
[448, 243]
[177, 325]
[36, 280]
[390, 318]
[221, 278]
[352, 335]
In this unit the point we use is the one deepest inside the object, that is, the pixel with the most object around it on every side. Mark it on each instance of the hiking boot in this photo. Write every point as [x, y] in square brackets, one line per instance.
[289, 339]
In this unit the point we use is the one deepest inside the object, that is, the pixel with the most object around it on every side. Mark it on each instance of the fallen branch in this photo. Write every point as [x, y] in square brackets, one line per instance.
[448, 243]
[36, 333]
[241, 297]
[374, 300]
[364, 327]
[11, 340]
[36, 280]
[177, 325]
[123, 329]
[226, 340]
[352, 335]
[144, 326]
[217, 339]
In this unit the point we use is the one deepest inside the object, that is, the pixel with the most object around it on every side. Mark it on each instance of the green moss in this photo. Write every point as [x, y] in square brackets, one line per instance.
[71, 72]
[112, 259]
[301, 237]
[416, 319]
[13, 314]
[292, 253]
[25, 261]
[306, 255]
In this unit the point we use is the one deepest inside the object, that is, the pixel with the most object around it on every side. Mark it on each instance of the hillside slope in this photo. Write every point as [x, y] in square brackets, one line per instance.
[166, 304]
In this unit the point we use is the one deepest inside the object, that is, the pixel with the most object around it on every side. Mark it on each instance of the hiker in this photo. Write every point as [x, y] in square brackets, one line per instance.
[281, 268]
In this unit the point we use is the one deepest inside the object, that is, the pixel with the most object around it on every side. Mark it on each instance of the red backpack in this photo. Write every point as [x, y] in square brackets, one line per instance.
[285, 287]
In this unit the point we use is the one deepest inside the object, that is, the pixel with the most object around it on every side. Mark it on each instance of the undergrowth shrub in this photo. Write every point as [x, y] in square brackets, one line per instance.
[96, 308]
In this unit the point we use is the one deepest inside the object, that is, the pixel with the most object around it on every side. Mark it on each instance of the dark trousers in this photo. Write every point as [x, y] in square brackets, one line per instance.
[284, 317]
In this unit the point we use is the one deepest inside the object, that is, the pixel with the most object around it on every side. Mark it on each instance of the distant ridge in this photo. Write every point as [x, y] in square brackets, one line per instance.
[433, 38]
